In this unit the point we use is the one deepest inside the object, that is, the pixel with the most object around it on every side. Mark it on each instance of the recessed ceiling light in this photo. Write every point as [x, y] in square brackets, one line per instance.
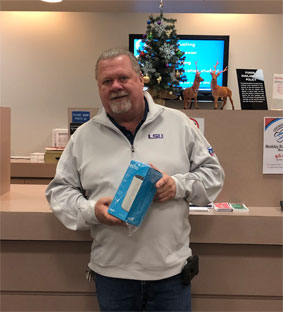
[52, 1]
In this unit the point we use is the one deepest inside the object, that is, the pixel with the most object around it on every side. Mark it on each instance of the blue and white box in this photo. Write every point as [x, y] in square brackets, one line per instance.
[135, 193]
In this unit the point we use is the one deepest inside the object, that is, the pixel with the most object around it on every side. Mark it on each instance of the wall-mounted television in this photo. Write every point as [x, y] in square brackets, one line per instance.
[206, 50]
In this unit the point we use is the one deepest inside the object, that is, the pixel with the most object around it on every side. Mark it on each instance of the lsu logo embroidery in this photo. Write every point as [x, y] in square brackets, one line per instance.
[210, 151]
[155, 136]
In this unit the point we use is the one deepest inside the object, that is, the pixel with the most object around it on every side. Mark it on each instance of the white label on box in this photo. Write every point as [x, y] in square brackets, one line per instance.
[132, 192]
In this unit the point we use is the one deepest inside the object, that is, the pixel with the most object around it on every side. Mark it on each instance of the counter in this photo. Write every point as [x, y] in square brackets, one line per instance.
[26, 172]
[43, 263]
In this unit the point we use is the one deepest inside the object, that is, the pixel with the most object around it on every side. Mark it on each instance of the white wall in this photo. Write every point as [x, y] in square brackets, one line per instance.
[48, 58]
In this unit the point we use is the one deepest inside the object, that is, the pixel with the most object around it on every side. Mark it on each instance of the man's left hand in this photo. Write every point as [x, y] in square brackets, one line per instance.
[165, 187]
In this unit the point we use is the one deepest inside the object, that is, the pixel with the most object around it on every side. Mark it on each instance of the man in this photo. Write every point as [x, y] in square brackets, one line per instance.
[139, 272]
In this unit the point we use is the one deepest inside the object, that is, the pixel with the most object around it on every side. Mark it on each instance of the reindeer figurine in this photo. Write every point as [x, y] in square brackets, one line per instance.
[217, 91]
[192, 92]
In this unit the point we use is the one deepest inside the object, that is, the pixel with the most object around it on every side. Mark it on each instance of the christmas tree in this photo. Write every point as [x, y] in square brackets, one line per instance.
[161, 59]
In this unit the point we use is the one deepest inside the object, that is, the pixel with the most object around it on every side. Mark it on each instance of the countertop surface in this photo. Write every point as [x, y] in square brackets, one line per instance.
[31, 198]
[25, 209]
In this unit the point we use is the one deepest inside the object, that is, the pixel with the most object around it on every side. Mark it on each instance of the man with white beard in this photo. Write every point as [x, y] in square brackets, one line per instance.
[143, 271]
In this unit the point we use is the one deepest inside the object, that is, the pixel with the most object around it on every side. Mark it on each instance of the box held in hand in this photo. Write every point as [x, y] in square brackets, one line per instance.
[135, 193]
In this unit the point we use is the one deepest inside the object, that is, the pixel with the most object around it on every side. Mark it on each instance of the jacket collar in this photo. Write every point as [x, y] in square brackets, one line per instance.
[154, 111]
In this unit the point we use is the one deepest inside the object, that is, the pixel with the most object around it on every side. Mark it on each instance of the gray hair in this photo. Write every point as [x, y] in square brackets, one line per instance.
[114, 52]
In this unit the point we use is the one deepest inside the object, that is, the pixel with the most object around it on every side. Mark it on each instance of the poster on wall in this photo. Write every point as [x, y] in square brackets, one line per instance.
[277, 92]
[277, 86]
[78, 118]
[273, 145]
[252, 89]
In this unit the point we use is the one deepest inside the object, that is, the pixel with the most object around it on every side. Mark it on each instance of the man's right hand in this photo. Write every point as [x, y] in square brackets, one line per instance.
[102, 215]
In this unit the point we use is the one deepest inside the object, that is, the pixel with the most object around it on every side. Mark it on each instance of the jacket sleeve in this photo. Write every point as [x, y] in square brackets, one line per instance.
[66, 196]
[204, 181]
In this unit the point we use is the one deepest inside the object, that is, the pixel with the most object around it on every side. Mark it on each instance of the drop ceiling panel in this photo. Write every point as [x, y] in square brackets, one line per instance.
[148, 6]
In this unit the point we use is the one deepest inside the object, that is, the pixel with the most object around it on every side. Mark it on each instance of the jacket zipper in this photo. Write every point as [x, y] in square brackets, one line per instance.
[120, 133]
[116, 130]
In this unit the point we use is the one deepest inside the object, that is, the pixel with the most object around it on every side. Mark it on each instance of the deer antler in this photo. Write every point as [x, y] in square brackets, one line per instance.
[214, 71]
[197, 71]
[215, 66]
[224, 70]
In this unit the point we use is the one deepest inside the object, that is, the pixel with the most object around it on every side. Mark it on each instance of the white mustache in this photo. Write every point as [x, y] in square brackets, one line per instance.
[117, 94]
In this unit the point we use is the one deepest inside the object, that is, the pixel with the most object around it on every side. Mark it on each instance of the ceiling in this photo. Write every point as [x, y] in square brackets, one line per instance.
[148, 6]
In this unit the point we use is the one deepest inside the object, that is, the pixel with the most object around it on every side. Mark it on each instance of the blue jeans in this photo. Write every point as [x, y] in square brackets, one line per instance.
[116, 294]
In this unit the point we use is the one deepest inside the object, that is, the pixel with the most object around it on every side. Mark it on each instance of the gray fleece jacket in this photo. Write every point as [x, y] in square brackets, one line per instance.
[92, 166]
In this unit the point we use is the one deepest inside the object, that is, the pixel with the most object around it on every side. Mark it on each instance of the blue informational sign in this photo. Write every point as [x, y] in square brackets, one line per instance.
[80, 116]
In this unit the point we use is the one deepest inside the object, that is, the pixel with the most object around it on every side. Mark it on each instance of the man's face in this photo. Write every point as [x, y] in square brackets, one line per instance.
[120, 88]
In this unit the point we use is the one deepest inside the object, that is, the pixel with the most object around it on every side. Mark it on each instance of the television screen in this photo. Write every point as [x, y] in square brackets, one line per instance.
[205, 50]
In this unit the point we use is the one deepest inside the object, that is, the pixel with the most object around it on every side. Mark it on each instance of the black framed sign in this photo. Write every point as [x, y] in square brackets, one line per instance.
[252, 89]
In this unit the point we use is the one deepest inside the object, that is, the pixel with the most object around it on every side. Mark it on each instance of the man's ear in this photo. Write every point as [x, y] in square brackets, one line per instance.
[141, 78]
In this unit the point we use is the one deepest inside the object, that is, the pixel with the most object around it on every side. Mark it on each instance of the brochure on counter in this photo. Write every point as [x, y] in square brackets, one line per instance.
[201, 208]
[230, 207]
[220, 207]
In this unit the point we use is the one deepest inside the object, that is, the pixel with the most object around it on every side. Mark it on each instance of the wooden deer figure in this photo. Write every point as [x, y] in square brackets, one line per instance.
[192, 92]
[220, 92]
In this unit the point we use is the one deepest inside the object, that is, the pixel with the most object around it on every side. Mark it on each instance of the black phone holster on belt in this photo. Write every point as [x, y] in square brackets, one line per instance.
[190, 269]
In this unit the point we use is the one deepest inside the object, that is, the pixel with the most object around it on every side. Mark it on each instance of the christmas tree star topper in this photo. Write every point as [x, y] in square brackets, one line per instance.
[161, 7]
